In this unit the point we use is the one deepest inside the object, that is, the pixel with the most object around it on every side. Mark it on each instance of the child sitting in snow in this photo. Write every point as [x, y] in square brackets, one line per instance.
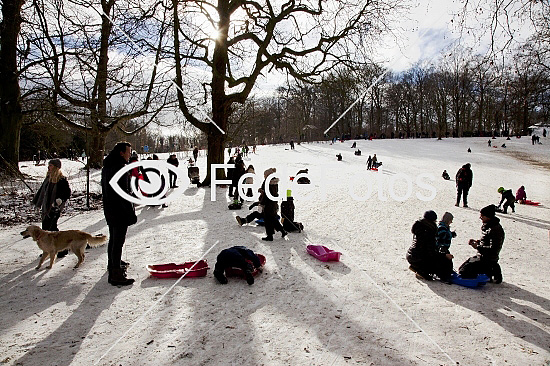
[339, 157]
[287, 213]
[507, 196]
[445, 175]
[444, 233]
[521, 196]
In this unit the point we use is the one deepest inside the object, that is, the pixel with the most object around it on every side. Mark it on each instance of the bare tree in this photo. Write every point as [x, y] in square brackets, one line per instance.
[98, 78]
[237, 41]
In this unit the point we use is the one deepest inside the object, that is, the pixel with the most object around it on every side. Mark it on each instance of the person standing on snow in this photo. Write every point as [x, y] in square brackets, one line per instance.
[464, 178]
[51, 198]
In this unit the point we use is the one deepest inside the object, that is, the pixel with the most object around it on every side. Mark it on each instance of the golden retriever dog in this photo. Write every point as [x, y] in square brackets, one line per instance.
[52, 242]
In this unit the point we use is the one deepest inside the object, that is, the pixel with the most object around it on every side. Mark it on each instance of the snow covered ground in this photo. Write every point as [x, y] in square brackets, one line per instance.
[367, 309]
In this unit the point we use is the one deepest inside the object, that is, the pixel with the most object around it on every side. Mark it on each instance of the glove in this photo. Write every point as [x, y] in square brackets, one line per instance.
[58, 202]
[453, 234]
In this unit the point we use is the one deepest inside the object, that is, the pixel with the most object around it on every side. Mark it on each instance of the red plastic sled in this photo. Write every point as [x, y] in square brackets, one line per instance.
[173, 270]
[529, 202]
[237, 272]
[323, 253]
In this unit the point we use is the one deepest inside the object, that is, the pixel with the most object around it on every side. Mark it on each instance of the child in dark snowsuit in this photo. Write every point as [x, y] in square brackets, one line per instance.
[445, 175]
[255, 215]
[509, 197]
[444, 233]
[239, 257]
[287, 213]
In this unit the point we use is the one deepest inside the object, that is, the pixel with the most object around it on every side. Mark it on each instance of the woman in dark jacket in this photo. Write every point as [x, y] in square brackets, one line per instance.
[51, 198]
[423, 256]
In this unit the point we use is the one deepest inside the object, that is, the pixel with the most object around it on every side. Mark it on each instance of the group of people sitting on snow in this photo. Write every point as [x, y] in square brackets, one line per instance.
[429, 255]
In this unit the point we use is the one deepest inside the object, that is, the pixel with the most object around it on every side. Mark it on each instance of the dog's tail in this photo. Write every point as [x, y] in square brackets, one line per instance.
[96, 241]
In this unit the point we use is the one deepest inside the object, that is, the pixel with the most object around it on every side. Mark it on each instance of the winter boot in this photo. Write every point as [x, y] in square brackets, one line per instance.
[240, 220]
[220, 277]
[62, 253]
[268, 238]
[283, 234]
[117, 277]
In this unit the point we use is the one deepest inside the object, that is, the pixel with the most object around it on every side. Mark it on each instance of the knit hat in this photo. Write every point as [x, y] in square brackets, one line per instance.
[447, 218]
[56, 163]
[430, 215]
[500, 189]
[269, 171]
[488, 211]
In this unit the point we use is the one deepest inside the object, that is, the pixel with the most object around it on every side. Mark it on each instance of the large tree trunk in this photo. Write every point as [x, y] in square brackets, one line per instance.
[216, 149]
[11, 117]
[97, 148]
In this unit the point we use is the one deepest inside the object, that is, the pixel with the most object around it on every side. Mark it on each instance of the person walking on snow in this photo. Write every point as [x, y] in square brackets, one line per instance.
[464, 178]
[51, 198]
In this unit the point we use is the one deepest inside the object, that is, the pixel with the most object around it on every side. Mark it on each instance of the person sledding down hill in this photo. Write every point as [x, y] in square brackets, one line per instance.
[507, 196]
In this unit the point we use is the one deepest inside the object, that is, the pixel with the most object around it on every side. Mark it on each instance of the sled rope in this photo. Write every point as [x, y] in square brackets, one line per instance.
[142, 317]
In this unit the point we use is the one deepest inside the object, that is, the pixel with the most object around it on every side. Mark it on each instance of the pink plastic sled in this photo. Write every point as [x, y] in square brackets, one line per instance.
[173, 270]
[237, 272]
[323, 253]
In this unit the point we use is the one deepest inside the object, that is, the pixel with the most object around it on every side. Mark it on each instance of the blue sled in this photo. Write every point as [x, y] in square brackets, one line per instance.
[481, 280]
[261, 222]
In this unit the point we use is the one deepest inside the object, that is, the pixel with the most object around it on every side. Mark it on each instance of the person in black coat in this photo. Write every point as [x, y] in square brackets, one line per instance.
[51, 198]
[237, 174]
[464, 178]
[271, 207]
[119, 213]
[173, 177]
[423, 256]
[510, 199]
[239, 257]
[230, 172]
[488, 248]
